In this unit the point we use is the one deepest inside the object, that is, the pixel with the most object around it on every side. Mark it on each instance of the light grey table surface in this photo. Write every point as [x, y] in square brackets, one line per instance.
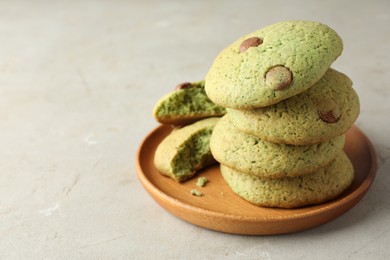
[78, 81]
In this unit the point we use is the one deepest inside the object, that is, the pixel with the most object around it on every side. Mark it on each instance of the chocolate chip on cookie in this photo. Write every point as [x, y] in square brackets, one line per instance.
[328, 111]
[279, 77]
[330, 116]
[183, 85]
[250, 42]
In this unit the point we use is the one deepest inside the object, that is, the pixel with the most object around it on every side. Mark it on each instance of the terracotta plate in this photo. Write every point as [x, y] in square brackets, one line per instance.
[221, 210]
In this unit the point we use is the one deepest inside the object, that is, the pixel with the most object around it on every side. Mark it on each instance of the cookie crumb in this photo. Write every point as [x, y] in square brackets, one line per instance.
[201, 181]
[196, 193]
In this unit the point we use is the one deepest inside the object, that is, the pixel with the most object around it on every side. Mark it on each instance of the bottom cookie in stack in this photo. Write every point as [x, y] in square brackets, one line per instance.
[290, 192]
[280, 175]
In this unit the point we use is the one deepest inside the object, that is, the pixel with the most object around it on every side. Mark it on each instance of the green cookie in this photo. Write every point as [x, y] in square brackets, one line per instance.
[272, 64]
[187, 104]
[323, 185]
[185, 150]
[326, 110]
[249, 154]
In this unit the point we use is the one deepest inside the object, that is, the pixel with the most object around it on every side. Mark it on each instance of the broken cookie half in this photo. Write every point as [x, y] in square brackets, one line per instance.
[186, 150]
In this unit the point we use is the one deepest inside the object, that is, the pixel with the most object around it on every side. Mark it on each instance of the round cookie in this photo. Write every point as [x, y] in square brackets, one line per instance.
[326, 110]
[249, 154]
[321, 186]
[185, 150]
[187, 104]
[272, 64]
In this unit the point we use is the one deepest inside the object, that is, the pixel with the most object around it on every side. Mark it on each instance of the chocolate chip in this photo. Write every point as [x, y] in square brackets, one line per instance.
[250, 42]
[279, 78]
[328, 117]
[183, 85]
[328, 111]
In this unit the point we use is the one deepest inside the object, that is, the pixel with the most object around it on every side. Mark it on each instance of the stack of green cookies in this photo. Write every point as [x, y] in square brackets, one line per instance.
[281, 142]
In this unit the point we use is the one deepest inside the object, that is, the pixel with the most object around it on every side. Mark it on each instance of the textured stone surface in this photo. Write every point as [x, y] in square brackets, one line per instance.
[78, 82]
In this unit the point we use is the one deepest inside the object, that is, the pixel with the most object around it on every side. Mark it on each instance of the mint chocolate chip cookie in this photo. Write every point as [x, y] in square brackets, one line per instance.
[186, 104]
[185, 150]
[320, 186]
[272, 64]
[252, 155]
[326, 110]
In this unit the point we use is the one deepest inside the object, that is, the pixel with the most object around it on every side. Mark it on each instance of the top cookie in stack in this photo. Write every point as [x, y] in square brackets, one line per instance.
[282, 98]
[272, 64]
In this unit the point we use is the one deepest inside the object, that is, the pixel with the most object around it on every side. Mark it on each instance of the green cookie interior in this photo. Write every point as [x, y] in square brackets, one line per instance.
[186, 105]
[186, 150]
